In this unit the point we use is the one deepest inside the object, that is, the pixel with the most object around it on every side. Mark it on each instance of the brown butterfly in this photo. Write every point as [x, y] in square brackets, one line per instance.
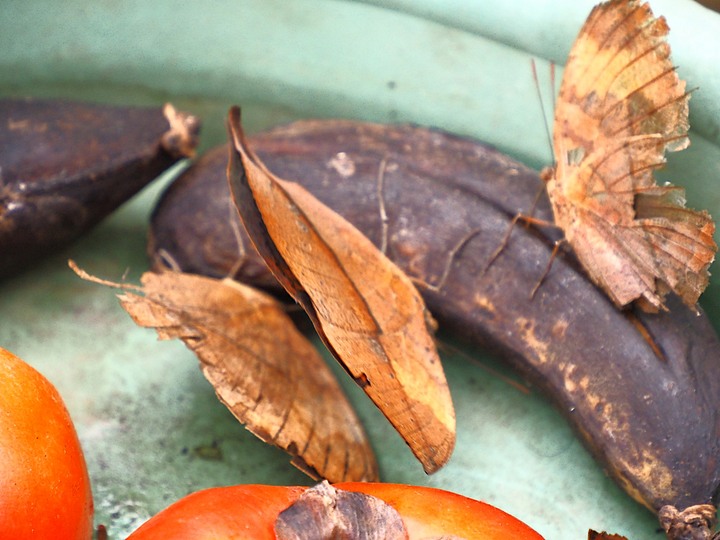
[621, 106]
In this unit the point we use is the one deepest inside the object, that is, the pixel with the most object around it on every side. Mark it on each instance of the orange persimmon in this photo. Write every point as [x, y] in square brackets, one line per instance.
[44, 485]
[249, 512]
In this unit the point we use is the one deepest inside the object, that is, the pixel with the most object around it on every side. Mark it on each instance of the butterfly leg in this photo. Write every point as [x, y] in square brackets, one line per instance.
[448, 264]
[382, 168]
[553, 254]
[495, 254]
[528, 220]
[647, 336]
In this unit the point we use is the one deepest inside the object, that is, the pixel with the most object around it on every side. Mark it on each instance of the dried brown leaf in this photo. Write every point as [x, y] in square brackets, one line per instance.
[365, 309]
[266, 372]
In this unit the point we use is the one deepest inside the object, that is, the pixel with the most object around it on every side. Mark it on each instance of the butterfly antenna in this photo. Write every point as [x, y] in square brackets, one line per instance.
[553, 89]
[540, 98]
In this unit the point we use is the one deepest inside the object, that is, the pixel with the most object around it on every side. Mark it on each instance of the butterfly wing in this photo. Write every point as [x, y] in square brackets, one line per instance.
[621, 106]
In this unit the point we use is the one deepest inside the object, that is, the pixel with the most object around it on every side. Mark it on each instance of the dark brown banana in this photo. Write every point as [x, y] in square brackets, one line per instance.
[64, 166]
[642, 390]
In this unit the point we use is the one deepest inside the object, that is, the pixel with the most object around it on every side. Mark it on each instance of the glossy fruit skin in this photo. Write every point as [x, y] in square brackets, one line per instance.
[435, 512]
[248, 512]
[44, 485]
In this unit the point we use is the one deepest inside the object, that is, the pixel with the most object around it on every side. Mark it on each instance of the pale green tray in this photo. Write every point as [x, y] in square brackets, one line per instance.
[149, 422]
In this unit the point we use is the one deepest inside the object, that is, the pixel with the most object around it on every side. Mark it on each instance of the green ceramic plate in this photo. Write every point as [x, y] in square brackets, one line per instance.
[150, 424]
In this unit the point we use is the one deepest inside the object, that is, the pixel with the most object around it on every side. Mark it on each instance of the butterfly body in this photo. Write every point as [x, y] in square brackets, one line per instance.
[621, 107]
